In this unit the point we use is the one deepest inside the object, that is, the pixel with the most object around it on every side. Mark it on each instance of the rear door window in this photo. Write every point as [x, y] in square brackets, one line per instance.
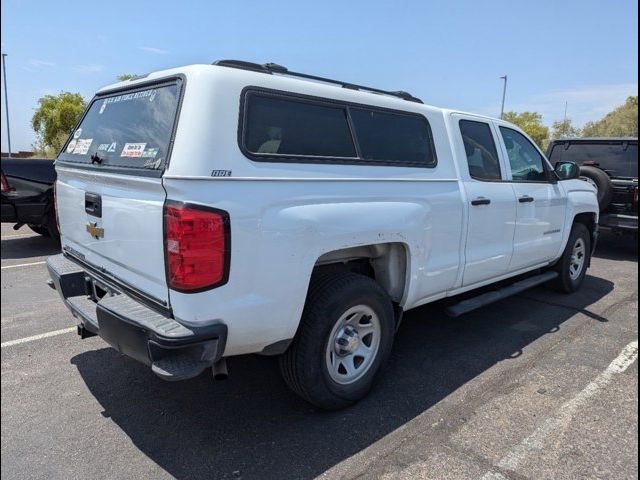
[131, 129]
[482, 155]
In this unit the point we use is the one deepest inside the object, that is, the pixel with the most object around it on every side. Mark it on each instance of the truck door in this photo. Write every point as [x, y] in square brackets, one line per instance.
[541, 203]
[491, 202]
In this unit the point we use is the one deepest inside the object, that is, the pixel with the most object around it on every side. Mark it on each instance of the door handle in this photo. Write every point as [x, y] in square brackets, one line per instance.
[526, 199]
[480, 201]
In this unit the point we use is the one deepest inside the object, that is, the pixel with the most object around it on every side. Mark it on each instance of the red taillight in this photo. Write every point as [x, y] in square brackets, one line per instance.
[6, 188]
[197, 249]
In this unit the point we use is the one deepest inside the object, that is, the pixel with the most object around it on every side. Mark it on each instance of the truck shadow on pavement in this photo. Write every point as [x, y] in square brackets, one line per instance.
[252, 426]
[28, 247]
[616, 247]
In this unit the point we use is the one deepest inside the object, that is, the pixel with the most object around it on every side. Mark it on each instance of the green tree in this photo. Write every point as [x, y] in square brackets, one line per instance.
[531, 123]
[564, 129]
[126, 76]
[54, 120]
[620, 122]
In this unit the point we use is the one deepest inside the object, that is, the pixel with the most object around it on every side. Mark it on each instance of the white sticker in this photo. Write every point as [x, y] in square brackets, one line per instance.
[102, 107]
[77, 133]
[150, 153]
[150, 94]
[82, 146]
[103, 147]
[112, 147]
[133, 149]
[71, 146]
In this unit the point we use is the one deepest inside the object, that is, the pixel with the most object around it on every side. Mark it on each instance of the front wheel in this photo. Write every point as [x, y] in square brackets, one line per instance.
[345, 337]
[572, 266]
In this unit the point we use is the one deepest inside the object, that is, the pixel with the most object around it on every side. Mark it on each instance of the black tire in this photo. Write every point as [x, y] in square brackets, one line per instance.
[52, 227]
[603, 182]
[304, 365]
[566, 282]
[39, 229]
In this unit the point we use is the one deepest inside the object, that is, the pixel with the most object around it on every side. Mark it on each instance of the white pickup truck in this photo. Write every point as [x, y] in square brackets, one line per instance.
[218, 210]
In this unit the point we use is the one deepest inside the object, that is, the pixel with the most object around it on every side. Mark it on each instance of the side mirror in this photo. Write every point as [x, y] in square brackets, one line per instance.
[567, 170]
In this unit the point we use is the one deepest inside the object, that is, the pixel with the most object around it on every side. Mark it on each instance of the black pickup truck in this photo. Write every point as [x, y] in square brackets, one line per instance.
[27, 195]
[611, 165]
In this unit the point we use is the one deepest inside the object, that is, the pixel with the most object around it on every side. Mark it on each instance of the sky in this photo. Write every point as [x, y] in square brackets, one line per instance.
[449, 53]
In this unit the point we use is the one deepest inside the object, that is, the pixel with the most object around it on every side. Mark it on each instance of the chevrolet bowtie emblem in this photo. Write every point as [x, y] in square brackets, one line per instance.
[95, 231]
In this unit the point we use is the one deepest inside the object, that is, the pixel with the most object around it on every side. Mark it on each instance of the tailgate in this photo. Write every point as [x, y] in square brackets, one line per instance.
[125, 238]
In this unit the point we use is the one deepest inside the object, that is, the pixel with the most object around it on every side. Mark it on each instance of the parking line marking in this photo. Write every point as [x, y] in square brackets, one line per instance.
[20, 235]
[23, 265]
[38, 337]
[562, 417]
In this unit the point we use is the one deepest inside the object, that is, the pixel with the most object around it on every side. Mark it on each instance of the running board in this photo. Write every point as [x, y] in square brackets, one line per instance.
[471, 304]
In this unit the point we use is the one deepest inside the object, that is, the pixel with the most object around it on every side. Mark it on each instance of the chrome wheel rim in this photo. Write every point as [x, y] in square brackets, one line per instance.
[578, 256]
[353, 344]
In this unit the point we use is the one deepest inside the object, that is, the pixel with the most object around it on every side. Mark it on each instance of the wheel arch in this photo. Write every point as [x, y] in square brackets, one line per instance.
[589, 220]
[386, 263]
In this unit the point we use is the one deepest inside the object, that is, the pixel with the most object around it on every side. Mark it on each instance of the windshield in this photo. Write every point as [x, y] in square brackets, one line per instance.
[130, 129]
[619, 159]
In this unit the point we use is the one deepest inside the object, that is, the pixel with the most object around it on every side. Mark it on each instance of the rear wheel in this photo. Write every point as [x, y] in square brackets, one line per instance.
[572, 266]
[345, 336]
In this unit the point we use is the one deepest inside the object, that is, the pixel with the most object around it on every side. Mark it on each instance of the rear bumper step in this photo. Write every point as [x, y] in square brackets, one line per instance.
[172, 350]
[484, 299]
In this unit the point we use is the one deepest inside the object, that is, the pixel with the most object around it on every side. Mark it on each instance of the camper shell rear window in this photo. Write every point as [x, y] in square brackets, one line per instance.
[131, 129]
[279, 126]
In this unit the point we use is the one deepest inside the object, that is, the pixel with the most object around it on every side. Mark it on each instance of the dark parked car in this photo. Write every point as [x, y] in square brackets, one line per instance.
[27, 195]
[611, 164]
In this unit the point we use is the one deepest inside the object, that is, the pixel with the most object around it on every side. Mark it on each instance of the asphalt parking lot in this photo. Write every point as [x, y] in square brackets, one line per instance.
[541, 385]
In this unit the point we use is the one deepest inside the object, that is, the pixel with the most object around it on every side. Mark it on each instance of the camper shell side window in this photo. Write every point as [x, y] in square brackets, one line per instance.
[278, 126]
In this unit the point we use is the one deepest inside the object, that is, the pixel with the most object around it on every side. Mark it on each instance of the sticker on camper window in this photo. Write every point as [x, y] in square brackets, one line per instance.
[77, 133]
[103, 147]
[102, 107]
[71, 146]
[150, 153]
[82, 146]
[112, 147]
[150, 94]
[133, 149]
[152, 163]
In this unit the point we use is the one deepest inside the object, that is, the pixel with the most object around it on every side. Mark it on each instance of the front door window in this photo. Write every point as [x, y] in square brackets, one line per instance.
[527, 164]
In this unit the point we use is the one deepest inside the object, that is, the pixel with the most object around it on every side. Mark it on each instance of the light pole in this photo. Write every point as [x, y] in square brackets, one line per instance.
[6, 101]
[504, 94]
